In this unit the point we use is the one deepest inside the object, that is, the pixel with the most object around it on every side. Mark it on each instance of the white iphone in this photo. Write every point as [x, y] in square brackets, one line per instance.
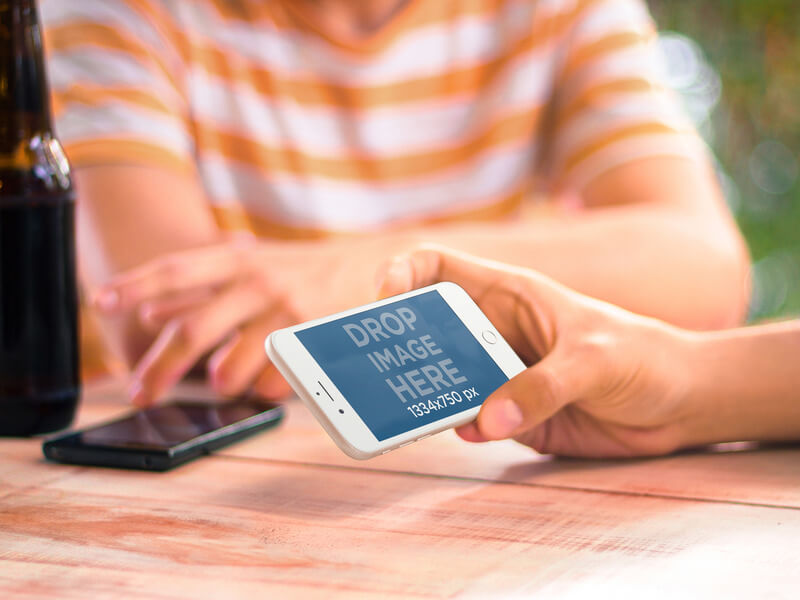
[395, 371]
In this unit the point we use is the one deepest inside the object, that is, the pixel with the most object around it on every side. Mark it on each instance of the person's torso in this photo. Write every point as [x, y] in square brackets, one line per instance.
[436, 116]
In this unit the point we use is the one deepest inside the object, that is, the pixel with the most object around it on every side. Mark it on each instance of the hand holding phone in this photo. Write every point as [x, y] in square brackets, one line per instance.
[395, 371]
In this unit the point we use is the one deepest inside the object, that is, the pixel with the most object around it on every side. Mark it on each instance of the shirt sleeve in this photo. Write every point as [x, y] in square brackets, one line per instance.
[116, 71]
[611, 103]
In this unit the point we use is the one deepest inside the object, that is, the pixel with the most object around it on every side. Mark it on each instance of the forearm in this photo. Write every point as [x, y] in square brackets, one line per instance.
[652, 261]
[126, 216]
[745, 384]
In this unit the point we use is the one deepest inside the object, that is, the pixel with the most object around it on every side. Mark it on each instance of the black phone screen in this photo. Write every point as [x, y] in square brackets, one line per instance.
[169, 425]
[162, 437]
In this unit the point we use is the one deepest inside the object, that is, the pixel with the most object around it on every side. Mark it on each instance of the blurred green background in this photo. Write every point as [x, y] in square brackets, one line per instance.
[737, 66]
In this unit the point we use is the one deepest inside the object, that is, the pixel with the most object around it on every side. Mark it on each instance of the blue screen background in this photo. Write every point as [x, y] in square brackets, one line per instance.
[366, 389]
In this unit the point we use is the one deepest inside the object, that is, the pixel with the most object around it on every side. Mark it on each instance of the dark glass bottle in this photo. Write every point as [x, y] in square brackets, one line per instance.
[39, 355]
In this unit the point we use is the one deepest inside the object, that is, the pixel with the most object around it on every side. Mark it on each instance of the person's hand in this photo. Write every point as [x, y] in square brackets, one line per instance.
[224, 300]
[602, 382]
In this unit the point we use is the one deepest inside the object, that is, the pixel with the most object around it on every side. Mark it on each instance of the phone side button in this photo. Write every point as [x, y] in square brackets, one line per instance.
[424, 437]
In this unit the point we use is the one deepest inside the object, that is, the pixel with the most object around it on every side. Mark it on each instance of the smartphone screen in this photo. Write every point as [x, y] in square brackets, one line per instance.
[404, 364]
[169, 425]
[165, 436]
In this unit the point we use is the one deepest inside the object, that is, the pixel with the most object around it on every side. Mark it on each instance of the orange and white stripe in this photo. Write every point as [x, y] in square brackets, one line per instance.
[456, 110]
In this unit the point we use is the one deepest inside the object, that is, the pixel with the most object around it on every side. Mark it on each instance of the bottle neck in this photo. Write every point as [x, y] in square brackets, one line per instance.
[24, 98]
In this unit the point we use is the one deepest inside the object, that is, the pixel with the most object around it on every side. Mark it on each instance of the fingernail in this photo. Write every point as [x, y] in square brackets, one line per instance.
[397, 272]
[214, 372]
[399, 265]
[147, 314]
[506, 417]
[217, 381]
[137, 394]
[106, 299]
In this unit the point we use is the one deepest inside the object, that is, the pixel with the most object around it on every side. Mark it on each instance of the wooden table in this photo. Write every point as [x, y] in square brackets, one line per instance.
[286, 514]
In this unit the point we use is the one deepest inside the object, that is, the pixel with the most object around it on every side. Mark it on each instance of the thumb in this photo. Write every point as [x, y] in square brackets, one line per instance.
[531, 398]
[431, 264]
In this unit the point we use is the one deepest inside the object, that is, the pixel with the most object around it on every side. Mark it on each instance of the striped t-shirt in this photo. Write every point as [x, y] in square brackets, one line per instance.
[454, 109]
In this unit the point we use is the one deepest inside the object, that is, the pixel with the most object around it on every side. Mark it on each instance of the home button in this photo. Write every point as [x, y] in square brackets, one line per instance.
[490, 337]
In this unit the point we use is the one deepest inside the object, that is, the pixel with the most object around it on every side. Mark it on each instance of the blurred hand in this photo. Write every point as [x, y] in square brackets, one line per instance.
[602, 382]
[225, 299]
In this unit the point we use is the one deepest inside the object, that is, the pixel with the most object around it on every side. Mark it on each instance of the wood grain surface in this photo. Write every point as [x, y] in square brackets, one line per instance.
[286, 515]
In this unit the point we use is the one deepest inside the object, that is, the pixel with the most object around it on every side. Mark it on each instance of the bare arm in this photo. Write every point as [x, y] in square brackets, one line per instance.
[128, 215]
[746, 384]
[655, 239]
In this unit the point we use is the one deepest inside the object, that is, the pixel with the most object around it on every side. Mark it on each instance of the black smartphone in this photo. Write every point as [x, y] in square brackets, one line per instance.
[164, 436]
